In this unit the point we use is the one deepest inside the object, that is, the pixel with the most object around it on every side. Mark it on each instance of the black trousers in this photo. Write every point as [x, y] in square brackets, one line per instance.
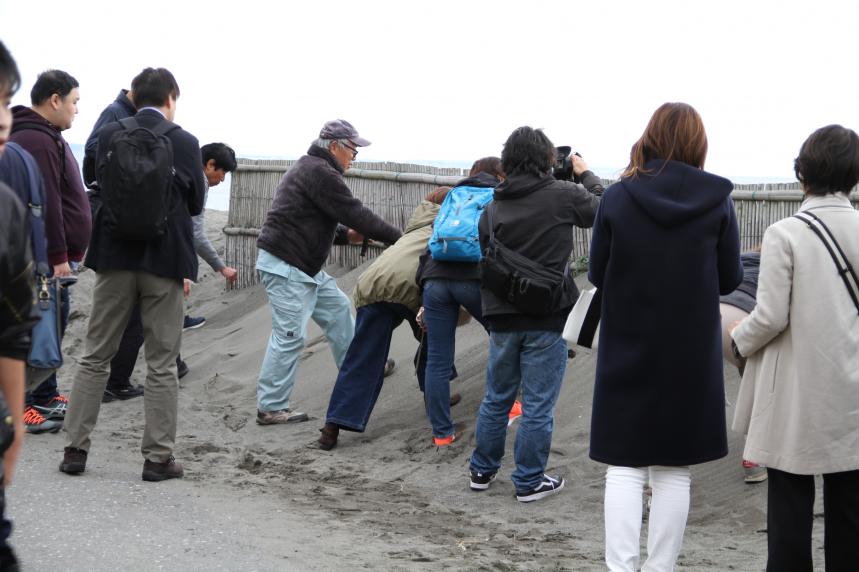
[790, 514]
[122, 364]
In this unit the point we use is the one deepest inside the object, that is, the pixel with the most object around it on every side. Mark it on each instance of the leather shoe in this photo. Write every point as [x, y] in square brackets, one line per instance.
[169, 469]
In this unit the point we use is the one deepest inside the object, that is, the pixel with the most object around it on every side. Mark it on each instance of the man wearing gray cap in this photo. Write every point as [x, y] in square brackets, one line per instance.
[312, 209]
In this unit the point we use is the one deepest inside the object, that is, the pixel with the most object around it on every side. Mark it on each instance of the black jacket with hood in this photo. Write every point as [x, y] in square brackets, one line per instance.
[17, 288]
[665, 245]
[535, 217]
[445, 270]
[308, 204]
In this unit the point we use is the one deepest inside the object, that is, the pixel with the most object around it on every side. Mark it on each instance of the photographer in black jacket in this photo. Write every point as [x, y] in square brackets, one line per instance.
[532, 214]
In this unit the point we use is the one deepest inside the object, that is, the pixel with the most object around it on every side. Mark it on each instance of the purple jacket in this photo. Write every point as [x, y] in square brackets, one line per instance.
[68, 221]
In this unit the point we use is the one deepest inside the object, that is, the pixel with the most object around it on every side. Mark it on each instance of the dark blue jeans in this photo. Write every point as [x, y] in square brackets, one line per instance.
[535, 361]
[442, 299]
[47, 390]
[362, 373]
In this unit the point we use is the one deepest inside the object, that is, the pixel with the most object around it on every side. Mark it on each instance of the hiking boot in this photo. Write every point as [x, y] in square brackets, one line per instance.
[182, 369]
[54, 409]
[279, 417]
[450, 439]
[548, 486]
[193, 323]
[169, 469]
[754, 473]
[121, 393]
[455, 398]
[35, 422]
[74, 461]
[328, 438]
[390, 366]
[481, 481]
[515, 412]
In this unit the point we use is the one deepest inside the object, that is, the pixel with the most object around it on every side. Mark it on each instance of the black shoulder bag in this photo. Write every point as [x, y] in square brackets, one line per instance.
[841, 263]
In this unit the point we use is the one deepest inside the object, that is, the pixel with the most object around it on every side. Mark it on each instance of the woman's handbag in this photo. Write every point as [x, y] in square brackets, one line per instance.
[583, 323]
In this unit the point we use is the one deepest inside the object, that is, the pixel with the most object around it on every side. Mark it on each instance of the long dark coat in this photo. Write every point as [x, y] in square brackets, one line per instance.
[664, 247]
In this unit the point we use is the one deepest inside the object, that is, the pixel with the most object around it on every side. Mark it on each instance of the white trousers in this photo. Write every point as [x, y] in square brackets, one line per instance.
[624, 487]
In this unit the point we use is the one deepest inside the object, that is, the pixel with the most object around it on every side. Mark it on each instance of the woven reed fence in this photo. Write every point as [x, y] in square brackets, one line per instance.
[392, 190]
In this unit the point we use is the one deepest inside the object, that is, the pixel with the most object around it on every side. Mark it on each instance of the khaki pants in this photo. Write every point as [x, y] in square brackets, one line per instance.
[114, 296]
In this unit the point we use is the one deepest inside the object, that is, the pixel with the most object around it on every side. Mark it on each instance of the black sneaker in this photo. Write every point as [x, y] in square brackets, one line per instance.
[121, 393]
[74, 461]
[549, 486]
[481, 481]
[193, 323]
[169, 469]
[182, 369]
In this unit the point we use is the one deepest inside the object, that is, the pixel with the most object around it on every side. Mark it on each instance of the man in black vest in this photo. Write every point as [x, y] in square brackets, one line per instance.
[149, 272]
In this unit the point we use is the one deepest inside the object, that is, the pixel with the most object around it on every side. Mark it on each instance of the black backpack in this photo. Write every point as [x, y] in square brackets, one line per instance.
[137, 181]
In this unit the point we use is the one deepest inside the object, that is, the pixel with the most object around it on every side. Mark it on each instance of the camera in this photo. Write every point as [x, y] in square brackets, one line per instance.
[563, 167]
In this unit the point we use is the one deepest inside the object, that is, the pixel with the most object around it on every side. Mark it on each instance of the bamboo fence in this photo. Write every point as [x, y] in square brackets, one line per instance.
[392, 190]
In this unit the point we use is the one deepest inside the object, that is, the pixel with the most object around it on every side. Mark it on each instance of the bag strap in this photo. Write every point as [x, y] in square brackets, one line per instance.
[843, 264]
[36, 206]
[129, 123]
[53, 133]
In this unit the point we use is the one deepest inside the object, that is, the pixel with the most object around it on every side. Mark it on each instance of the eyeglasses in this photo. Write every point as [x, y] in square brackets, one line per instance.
[353, 149]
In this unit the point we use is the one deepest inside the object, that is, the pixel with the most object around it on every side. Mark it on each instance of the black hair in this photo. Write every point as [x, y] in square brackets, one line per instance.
[10, 77]
[52, 82]
[153, 87]
[527, 151]
[223, 155]
[828, 161]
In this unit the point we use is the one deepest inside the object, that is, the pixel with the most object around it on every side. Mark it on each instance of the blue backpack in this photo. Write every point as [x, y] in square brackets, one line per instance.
[454, 235]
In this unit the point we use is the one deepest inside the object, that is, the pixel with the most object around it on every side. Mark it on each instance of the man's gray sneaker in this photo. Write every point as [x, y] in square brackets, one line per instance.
[548, 486]
[280, 417]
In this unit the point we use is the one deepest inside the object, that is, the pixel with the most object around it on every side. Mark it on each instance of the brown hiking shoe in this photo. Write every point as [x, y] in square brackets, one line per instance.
[169, 469]
[74, 461]
[282, 416]
[328, 437]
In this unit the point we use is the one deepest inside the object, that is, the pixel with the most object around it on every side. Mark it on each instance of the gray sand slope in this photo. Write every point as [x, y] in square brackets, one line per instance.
[261, 497]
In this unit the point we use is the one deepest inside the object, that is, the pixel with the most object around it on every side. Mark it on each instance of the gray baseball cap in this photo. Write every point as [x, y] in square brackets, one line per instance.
[342, 129]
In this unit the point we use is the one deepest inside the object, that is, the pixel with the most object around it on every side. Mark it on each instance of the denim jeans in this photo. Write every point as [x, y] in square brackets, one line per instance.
[47, 390]
[442, 299]
[536, 360]
[363, 370]
[295, 298]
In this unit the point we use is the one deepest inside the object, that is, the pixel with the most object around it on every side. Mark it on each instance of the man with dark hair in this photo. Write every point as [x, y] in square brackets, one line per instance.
[310, 202]
[147, 271]
[218, 160]
[119, 108]
[526, 350]
[38, 129]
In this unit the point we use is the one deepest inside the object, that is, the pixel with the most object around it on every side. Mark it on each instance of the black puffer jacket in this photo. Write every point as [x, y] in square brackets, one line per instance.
[445, 270]
[308, 205]
[17, 287]
[535, 217]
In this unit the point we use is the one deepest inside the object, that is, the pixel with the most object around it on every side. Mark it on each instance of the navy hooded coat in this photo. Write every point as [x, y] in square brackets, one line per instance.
[665, 246]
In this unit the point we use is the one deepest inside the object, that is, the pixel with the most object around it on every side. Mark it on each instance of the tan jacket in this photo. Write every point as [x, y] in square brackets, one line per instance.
[799, 397]
[391, 277]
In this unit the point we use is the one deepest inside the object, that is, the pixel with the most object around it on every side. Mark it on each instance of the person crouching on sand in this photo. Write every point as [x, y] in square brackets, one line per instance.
[386, 295]
[309, 203]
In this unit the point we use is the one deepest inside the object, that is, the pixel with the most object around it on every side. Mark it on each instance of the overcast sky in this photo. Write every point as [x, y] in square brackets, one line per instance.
[449, 80]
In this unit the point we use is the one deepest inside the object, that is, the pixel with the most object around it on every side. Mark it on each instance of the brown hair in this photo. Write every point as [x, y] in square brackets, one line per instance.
[437, 195]
[675, 132]
[490, 165]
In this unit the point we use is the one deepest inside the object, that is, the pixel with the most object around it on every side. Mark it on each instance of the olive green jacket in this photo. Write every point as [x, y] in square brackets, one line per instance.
[391, 277]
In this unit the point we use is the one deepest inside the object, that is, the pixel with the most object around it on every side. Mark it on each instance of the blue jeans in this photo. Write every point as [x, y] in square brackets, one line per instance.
[295, 298]
[442, 299]
[536, 360]
[362, 373]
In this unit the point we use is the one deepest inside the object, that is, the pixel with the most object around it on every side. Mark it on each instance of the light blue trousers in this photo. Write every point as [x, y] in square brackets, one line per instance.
[294, 298]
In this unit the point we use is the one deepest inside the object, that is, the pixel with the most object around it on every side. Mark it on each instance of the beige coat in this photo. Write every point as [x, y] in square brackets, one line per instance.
[799, 397]
[391, 277]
